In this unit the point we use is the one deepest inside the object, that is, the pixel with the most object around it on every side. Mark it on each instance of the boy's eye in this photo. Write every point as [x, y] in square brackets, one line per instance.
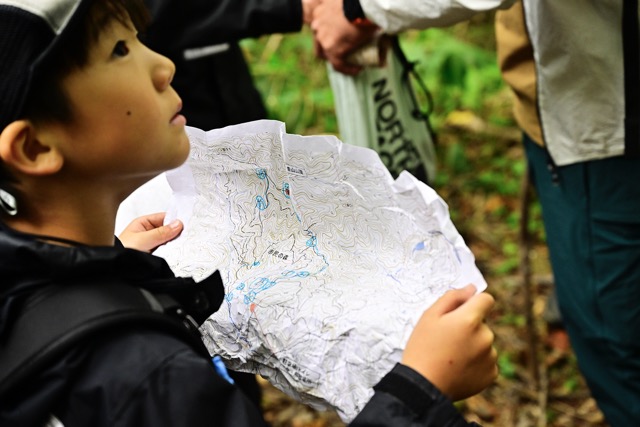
[120, 49]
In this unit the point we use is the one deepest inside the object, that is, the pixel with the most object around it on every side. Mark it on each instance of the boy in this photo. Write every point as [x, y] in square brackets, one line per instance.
[88, 115]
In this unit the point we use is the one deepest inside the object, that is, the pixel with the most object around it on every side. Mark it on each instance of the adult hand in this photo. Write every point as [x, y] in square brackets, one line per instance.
[336, 38]
[451, 345]
[308, 7]
[146, 233]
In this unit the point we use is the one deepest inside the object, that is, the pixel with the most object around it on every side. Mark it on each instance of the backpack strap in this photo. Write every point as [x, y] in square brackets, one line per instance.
[56, 318]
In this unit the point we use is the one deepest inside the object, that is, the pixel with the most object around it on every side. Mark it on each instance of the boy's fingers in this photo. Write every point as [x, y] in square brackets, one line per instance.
[151, 221]
[169, 231]
[453, 299]
[156, 219]
[481, 304]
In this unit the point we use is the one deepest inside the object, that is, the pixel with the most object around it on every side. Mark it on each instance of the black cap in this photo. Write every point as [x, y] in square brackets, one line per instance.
[30, 32]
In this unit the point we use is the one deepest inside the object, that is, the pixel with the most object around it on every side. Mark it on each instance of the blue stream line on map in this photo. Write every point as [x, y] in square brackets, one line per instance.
[262, 284]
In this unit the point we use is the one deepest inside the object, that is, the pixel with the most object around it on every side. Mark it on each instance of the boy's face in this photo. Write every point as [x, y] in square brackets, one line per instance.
[125, 113]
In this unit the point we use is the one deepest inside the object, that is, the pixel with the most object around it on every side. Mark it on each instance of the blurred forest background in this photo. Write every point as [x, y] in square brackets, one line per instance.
[480, 175]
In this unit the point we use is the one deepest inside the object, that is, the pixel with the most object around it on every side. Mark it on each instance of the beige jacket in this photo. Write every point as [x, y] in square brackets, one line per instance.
[515, 58]
[577, 51]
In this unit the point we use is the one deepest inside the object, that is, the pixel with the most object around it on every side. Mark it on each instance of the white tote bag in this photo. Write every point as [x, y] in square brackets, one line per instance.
[378, 109]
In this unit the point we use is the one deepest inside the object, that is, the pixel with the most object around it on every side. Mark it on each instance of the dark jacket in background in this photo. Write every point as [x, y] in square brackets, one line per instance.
[217, 89]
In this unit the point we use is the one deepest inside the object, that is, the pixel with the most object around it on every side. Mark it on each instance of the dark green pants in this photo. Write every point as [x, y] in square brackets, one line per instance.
[592, 221]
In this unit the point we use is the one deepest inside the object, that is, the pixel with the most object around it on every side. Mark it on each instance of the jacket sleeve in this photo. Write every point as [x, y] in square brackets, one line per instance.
[405, 398]
[394, 16]
[179, 24]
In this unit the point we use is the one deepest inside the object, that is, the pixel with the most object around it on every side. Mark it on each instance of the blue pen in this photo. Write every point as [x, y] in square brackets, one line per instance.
[218, 364]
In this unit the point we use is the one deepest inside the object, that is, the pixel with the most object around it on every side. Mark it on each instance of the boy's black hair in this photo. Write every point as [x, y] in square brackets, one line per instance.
[41, 44]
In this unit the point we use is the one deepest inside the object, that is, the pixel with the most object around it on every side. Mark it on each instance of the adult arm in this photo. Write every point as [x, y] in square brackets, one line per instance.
[394, 16]
[179, 24]
[336, 37]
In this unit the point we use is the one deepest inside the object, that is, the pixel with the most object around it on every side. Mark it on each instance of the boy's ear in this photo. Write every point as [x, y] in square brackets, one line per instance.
[21, 149]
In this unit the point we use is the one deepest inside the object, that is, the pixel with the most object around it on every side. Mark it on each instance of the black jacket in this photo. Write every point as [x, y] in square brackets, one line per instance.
[141, 377]
[217, 89]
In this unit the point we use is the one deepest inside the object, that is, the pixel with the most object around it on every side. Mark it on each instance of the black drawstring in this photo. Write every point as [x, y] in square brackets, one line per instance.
[408, 70]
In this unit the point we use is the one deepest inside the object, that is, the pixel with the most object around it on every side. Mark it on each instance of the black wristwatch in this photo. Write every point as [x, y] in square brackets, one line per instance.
[354, 13]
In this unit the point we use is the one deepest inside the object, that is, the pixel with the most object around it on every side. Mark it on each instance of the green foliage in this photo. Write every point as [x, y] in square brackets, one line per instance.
[506, 367]
[456, 159]
[513, 319]
[508, 265]
[571, 384]
[459, 74]
[293, 82]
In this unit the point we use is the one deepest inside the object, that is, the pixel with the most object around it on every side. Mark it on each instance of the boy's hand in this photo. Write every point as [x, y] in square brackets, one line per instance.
[451, 345]
[147, 232]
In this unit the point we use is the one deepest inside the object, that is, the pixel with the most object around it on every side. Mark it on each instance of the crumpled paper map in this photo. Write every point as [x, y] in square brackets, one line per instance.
[327, 261]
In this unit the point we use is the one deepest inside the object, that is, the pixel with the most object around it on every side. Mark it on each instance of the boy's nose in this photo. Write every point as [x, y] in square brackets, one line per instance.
[163, 73]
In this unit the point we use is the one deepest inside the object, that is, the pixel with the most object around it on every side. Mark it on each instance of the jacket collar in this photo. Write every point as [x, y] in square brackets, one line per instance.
[27, 264]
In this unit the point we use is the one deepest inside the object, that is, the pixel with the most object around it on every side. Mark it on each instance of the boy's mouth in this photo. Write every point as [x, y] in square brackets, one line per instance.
[178, 119]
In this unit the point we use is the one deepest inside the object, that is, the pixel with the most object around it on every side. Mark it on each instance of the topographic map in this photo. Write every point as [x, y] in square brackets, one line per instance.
[327, 261]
